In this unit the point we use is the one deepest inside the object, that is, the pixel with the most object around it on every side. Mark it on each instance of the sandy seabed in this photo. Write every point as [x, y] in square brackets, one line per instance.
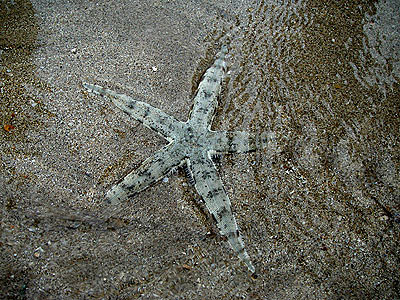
[319, 210]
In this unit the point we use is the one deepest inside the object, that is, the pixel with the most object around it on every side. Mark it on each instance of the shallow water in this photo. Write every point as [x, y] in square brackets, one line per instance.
[319, 209]
[325, 79]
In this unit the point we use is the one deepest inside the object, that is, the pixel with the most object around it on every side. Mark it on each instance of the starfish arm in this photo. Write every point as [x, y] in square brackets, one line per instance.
[150, 116]
[206, 99]
[153, 169]
[209, 186]
[238, 141]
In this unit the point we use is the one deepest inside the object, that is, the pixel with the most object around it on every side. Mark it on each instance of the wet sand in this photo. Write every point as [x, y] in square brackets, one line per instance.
[319, 209]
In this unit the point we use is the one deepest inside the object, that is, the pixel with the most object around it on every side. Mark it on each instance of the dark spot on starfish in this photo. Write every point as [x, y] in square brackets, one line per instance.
[207, 94]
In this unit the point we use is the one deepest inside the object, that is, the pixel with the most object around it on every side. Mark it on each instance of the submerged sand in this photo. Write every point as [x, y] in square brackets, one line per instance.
[319, 210]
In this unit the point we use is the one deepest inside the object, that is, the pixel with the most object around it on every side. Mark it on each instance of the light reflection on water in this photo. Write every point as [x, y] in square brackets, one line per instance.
[382, 44]
[323, 78]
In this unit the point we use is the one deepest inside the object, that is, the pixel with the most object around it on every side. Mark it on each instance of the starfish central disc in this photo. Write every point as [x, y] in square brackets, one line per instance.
[192, 138]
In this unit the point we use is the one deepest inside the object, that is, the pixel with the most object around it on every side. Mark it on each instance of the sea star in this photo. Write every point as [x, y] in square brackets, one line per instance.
[192, 143]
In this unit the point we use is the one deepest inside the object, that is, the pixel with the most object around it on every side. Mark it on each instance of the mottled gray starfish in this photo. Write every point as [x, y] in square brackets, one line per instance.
[191, 143]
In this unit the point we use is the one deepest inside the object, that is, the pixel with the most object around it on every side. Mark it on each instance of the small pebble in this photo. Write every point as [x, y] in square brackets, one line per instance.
[384, 218]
